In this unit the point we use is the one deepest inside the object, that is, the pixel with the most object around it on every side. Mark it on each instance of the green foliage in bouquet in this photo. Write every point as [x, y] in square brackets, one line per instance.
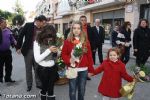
[59, 39]
[60, 64]
[146, 69]
[59, 42]
[77, 51]
[143, 68]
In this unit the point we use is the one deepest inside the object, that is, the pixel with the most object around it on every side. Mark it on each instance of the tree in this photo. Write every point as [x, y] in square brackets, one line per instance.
[18, 8]
[7, 15]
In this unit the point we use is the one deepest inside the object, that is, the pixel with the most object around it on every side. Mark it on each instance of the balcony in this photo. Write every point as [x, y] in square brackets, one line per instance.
[95, 4]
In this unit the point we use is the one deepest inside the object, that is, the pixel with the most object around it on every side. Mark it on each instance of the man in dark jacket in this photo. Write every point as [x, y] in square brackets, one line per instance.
[98, 37]
[88, 30]
[28, 33]
[68, 30]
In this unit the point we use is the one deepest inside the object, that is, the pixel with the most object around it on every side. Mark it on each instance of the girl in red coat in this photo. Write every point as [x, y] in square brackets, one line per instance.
[113, 72]
[84, 64]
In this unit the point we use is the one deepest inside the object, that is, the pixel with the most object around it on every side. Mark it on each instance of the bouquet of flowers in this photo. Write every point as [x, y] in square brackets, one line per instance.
[78, 50]
[141, 74]
[144, 72]
[61, 67]
[59, 40]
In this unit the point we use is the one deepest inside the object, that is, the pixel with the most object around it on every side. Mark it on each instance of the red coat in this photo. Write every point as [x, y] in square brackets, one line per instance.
[86, 60]
[111, 82]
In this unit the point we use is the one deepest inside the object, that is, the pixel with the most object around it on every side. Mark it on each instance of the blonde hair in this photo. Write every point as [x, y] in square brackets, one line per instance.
[83, 35]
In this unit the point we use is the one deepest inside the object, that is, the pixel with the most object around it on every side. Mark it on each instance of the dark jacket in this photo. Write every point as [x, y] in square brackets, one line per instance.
[90, 35]
[114, 38]
[66, 33]
[98, 38]
[26, 33]
[141, 39]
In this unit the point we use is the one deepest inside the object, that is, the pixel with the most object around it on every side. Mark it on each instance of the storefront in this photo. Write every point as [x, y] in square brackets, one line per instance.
[109, 19]
[145, 11]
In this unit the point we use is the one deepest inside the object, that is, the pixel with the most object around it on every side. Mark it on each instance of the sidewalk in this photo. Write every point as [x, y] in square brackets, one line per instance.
[106, 46]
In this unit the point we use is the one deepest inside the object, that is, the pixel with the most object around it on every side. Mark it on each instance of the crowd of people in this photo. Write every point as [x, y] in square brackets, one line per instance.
[37, 43]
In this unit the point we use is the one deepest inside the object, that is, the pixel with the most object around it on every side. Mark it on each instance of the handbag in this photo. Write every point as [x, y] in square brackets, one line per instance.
[121, 49]
[72, 72]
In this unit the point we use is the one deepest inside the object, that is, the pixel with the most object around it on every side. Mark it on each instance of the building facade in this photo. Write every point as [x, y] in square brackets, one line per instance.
[110, 12]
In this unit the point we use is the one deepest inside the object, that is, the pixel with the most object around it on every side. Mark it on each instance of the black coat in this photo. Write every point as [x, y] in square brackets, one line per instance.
[98, 38]
[114, 38]
[26, 33]
[141, 40]
[90, 36]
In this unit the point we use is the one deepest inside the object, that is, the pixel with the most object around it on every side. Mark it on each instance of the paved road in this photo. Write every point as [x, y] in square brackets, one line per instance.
[18, 89]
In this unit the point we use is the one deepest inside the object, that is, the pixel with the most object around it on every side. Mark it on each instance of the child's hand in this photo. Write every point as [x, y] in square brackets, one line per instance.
[90, 74]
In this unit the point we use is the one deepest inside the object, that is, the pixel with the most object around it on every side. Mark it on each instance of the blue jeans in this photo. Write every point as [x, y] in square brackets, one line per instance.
[78, 83]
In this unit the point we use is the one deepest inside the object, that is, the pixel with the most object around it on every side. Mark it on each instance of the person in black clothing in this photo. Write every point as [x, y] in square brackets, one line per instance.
[68, 30]
[89, 32]
[29, 33]
[141, 42]
[98, 39]
[114, 35]
[16, 31]
[124, 41]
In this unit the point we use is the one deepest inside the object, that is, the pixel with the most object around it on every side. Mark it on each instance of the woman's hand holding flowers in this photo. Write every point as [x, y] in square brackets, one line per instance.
[53, 49]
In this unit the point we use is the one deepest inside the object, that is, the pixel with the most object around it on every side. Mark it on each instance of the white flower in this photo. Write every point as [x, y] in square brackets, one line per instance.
[79, 45]
[60, 35]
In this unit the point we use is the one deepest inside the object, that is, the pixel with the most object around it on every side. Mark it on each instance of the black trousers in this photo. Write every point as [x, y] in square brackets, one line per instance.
[6, 60]
[100, 54]
[48, 76]
[142, 57]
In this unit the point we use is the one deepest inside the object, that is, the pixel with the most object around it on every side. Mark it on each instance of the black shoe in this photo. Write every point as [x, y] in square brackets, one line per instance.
[43, 96]
[10, 80]
[1, 80]
[29, 88]
[51, 97]
[88, 78]
[39, 87]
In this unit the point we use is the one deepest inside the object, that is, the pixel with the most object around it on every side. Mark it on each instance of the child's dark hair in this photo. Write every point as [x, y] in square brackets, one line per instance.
[47, 32]
[115, 50]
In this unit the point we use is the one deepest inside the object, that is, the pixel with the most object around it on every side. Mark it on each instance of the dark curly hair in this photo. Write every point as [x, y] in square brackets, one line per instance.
[47, 32]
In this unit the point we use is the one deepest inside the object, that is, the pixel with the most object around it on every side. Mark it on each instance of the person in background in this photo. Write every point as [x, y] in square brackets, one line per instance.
[83, 65]
[28, 34]
[114, 35]
[68, 30]
[44, 54]
[6, 41]
[113, 71]
[141, 42]
[99, 35]
[89, 32]
[124, 41]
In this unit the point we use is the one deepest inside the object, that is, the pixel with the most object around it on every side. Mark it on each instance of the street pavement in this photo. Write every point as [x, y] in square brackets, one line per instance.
[17, 90]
